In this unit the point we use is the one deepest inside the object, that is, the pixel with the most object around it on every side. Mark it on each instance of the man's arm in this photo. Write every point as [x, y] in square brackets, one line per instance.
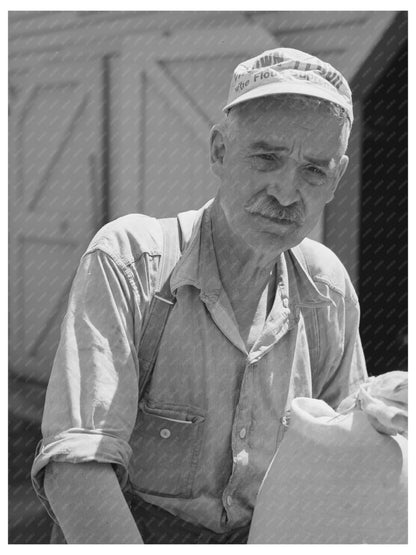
[91, 406]
[89, 505]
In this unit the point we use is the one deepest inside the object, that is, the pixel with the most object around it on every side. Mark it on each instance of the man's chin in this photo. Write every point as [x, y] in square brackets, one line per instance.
[272, 234]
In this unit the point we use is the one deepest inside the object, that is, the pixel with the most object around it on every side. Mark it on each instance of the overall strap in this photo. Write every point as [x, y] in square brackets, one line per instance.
[161, 304]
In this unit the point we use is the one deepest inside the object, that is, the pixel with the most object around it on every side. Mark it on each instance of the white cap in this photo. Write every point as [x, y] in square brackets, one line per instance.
[289, 71]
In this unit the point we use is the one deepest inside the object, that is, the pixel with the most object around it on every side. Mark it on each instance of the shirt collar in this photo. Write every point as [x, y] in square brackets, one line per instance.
[303, 290]
[198, 267]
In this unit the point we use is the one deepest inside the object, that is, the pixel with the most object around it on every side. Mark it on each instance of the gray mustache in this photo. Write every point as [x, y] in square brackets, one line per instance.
[270, 207]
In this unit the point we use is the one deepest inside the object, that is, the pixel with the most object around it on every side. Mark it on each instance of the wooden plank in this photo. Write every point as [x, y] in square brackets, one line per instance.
[52, 318]
[179, 102]
[88, 51]
[312, 40]
[136, 22]
[26, 23]
[66, 136]
[128, 183]
[295, 21]
[115, 109]
[55, 227]
[39, 235]
[241, 40]
[209, 85]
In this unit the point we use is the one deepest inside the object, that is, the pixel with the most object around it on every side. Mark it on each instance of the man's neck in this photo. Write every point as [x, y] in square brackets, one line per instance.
[244, 271]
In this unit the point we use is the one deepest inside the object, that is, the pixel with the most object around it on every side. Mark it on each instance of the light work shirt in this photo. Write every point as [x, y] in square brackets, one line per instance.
[214, 412]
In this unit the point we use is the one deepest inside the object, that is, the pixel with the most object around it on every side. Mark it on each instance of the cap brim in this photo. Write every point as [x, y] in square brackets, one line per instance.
[305, 88]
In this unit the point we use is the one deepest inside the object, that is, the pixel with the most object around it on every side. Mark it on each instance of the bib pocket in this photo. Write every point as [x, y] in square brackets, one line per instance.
[166, 444]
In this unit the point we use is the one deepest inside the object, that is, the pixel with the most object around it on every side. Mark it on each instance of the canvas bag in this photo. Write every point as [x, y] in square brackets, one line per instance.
[336, 478]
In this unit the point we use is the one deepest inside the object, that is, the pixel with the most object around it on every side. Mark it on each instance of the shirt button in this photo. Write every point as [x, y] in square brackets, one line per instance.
[285, 302]
[243, 433]
[165, 433]
[229, 500]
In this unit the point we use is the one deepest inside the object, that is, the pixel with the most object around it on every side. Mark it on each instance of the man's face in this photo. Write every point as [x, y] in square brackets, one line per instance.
[278, 168]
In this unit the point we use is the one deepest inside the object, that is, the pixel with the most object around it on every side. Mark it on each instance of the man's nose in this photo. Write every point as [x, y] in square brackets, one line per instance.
[284, 184]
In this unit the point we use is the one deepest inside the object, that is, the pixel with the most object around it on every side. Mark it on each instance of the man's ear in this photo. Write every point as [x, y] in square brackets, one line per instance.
[217, 150]
[343, 164]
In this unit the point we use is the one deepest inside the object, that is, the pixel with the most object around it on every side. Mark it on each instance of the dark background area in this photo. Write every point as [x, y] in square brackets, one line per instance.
[384, 212]
[36, 525]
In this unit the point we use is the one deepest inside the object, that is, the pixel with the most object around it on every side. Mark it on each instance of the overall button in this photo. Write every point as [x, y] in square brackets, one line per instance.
[285, 302]
[243, 433]
[229, 500]
[165, 433]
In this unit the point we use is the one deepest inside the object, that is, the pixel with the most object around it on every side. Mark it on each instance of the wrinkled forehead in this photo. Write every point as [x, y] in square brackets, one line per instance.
[267, 118]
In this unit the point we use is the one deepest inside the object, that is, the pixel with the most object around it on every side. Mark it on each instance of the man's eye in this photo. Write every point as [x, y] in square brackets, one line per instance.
[265, 156]
[270, 157]
[315, 170]
[265, 161]
[315, 175]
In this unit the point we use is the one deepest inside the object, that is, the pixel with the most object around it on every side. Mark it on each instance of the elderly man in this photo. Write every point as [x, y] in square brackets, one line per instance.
[259, 315]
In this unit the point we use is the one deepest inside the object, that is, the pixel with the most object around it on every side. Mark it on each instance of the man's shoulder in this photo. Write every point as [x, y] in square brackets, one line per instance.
[324, 266]
[127, 238]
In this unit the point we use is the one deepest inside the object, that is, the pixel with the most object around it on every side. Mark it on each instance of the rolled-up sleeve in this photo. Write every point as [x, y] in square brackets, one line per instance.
[91, 400]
